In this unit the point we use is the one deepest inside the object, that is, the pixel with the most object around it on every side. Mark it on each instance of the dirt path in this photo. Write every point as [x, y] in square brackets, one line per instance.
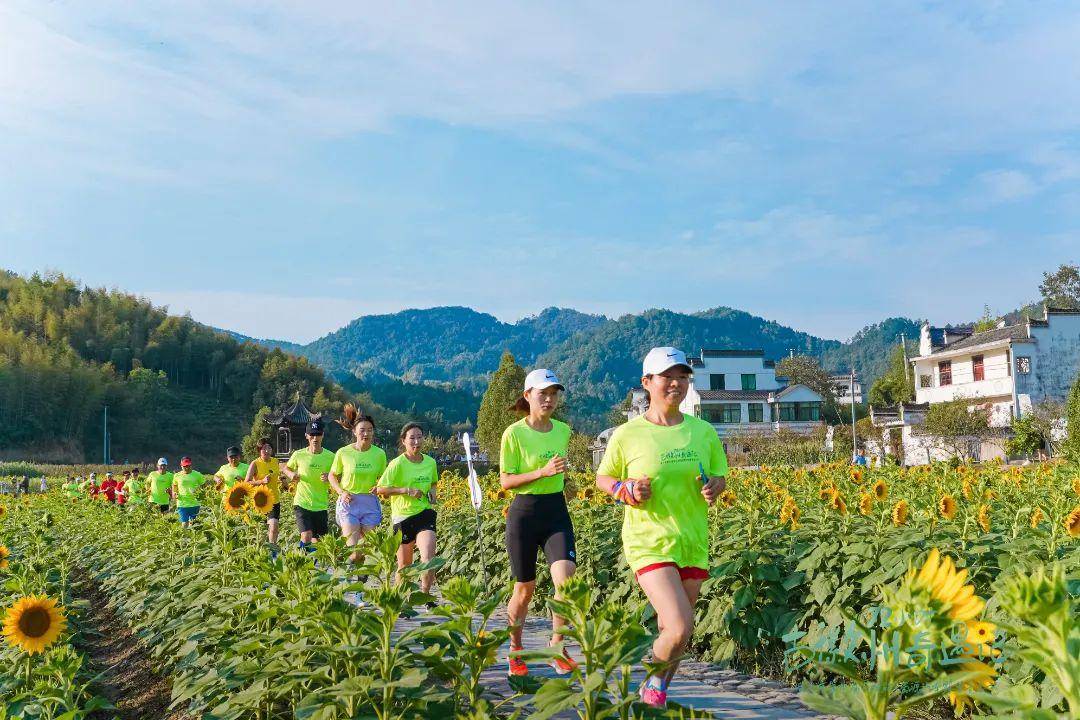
[130, 678]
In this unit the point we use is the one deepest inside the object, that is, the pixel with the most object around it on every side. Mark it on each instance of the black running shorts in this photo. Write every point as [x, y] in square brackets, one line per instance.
[313, 521]
[534, 522]
[413, 525]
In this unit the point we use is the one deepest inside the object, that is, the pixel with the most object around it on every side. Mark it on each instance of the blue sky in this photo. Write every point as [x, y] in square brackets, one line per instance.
[279, 169]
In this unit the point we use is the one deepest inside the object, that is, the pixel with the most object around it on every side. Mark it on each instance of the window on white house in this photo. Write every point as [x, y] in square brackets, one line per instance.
[977, 372]
[749, 381]
[1023, 365]
[756, 412]
[926, 381]
[944, 372]
[716, 381]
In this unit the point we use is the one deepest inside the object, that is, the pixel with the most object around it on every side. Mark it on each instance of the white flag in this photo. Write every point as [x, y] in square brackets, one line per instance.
[475, 493]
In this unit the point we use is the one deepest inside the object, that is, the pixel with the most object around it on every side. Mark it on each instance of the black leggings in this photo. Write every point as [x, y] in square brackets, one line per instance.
[534, 522]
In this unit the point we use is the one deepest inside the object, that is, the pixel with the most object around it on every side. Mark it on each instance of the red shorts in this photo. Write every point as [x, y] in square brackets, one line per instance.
[685, 573]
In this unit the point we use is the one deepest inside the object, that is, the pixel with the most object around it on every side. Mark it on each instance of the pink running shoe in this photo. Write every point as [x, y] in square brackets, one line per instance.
[653, 697]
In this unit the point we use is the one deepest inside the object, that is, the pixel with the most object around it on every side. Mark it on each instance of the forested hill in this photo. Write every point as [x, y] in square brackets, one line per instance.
[172, 385]
[454, 345]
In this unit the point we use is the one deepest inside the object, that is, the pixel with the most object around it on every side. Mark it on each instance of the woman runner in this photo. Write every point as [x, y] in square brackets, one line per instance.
[186, 485]
[353, 476]
[532, 464]
[133, 489]
[409, 482]
[266, 470]
[159, 485]
[308, 468]
[233, 470]
[667, 468]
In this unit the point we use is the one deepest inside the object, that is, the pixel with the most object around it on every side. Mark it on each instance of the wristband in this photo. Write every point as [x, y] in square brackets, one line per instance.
[623, 492]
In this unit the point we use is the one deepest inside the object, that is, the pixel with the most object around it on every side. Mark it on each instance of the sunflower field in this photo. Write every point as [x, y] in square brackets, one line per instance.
[805, 563]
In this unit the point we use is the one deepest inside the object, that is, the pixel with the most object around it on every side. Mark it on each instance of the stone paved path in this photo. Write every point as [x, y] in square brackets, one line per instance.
[701, 686]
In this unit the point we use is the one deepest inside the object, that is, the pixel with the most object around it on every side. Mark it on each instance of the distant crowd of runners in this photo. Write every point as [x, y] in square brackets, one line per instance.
[664, 467]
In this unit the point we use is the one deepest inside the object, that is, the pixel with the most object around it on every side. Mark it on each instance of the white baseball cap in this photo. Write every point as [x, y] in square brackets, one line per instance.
[162, 461]
[661, 359]
[540, 379]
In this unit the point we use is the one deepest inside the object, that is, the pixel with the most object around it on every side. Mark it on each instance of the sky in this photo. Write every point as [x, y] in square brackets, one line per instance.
[279, 168]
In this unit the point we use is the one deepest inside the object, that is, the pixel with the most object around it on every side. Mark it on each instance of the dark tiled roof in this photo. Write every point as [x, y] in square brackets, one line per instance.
[705, 352]
[735, 394]
[1009, 332]
[298, 414]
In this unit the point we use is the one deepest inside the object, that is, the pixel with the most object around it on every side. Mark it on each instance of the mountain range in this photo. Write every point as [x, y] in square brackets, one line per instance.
[438, 359]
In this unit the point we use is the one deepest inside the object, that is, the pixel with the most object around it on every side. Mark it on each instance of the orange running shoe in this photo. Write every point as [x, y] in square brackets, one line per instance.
[564, 664]
[518, 668]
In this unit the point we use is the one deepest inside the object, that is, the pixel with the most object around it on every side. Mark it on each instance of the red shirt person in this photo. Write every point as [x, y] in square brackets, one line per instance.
[108, 487]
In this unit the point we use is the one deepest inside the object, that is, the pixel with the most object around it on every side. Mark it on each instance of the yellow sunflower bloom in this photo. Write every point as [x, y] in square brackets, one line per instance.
[789, 513]
[4, 555]
[979, 636]
[986, 674]
[728, 498]
[262, 499]
[236, 497]
[33, 623]
[1072, 522]
[881, 490]
[900, 513]
[946, 585]
[866, 503]
[3, 511]
[1076, 485]
[947, 507]
[983, 518]
[1036, 518]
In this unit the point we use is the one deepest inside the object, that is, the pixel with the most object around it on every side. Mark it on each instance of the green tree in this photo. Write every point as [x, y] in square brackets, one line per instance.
[259, 429]
[988, 321]
[495, 408]
[806, 370]
[1061, 288]
[1071, 446]
[896, 385]
[955, 425]
[578, 454]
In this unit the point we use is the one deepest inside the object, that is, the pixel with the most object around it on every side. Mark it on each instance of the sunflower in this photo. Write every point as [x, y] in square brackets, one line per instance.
[262, 499]
[838, 503]
[947, 507]
[1036, 518]
[1076, 485]
[1072, 522]
[3, 511]
[881, 490]
[826, 492]
[237, 497]
[900, 513]
[856, 475]
[983, 518]
[789, 512]
[945, 583]
[966, 489]
[985, 678]
[33, 623]
[4, 555]
[866, 503]
[728, 498]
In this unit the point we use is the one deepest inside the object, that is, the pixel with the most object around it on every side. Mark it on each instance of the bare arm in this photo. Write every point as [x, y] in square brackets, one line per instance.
[555, 465]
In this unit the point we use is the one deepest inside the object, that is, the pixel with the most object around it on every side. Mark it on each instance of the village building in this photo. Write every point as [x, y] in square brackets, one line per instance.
[1008, 370]
[847, 389]
[290, 426]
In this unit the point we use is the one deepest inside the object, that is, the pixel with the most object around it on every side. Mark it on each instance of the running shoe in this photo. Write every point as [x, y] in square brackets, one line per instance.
[564, 664]
[653, 697]
[518, 668]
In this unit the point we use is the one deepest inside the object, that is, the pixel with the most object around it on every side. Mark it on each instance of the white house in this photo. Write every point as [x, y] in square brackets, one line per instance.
[1010, 367]
[845, 392]
[739, 393]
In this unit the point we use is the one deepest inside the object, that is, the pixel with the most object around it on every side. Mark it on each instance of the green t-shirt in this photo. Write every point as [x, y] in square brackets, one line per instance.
[358, 471]
[311, 490]
[131, 489]
[157, 485]
[404, 473]
[524, 450]
[672, 525]
[231, 475]
[187, 487]
[73, 489]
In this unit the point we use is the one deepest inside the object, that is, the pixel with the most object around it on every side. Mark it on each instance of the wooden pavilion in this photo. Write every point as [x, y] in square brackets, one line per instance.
[290, 426]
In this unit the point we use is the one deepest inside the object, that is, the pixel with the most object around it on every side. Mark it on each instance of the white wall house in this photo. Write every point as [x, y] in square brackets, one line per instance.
[739, 393]
[1010, 367]
[842, 388]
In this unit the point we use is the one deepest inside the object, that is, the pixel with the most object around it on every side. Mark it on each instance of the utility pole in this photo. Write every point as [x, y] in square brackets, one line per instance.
[105, 438]
[854, 437]
[903, 344]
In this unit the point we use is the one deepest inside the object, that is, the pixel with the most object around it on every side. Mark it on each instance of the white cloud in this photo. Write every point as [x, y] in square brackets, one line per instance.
[1004, 185]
